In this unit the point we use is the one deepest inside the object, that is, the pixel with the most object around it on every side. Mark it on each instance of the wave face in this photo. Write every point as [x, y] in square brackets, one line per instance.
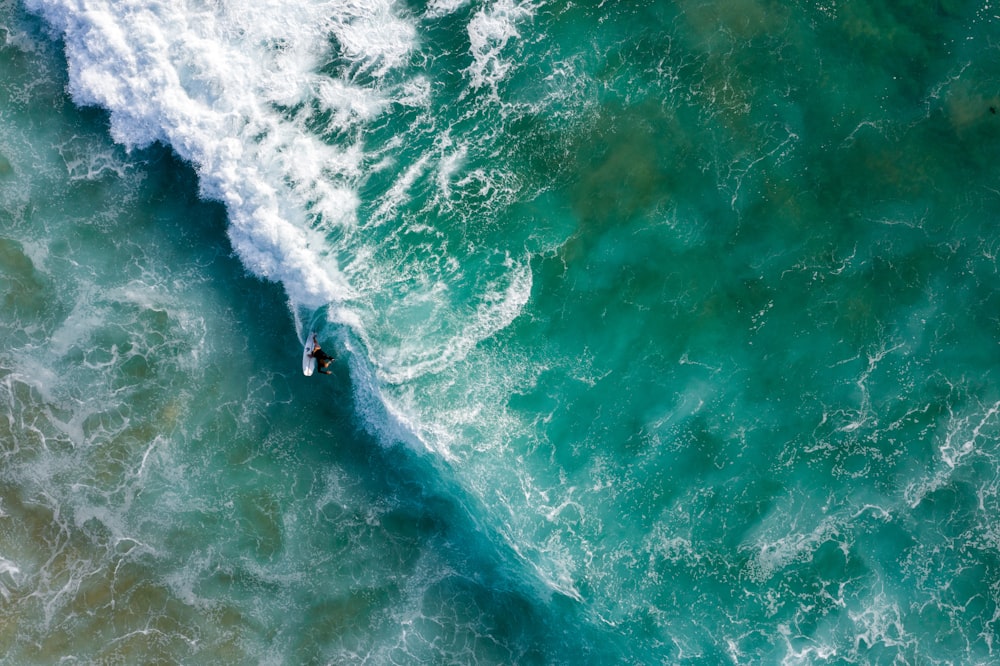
[666, 332]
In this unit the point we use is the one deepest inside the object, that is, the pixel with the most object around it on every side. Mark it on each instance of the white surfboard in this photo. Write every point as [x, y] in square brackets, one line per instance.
[308, 362]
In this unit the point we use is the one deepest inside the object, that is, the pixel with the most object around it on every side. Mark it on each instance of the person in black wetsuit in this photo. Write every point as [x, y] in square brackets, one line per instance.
[322, 358]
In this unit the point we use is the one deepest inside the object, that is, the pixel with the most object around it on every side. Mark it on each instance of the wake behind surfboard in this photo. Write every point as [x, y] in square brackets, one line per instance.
[308, 362]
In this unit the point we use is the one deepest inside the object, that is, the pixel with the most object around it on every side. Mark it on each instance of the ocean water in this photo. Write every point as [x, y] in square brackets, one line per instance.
[665, 332]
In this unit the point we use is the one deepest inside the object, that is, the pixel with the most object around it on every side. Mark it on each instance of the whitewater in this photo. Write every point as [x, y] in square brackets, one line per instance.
[664, 332]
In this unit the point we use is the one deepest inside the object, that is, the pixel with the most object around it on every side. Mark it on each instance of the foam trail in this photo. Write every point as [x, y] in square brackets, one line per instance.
[214, 84]
[235, 91]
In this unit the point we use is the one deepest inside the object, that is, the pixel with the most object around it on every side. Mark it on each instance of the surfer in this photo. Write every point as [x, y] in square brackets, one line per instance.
[322, 358]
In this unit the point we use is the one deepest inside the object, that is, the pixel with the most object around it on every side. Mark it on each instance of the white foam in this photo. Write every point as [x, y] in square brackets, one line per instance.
[438, 8]
[348, 103]
[10, 577]
[500, 306]
[960, 444]
[790, 535]
[490, 30]
[881, 622]
[953, 452]
[399, 193]
[451, 162]
[771, 556]
[370, 32]
[205, 81]
[808, 651]
[88, 161]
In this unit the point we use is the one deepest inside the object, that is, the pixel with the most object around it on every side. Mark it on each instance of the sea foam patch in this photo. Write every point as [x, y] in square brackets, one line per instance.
[206, 83]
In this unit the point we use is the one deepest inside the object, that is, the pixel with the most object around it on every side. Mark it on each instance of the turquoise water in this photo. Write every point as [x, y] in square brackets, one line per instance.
[666, 333]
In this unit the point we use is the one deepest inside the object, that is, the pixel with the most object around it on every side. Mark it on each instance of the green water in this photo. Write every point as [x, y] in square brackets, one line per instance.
[672, 337]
